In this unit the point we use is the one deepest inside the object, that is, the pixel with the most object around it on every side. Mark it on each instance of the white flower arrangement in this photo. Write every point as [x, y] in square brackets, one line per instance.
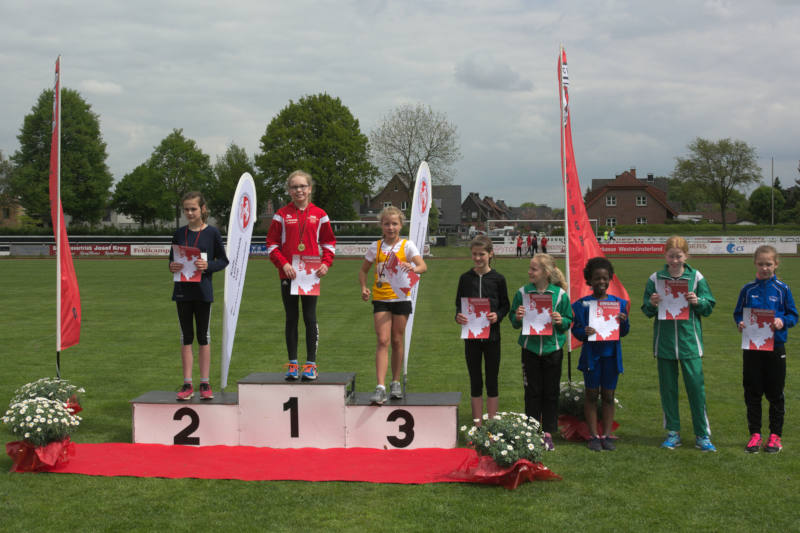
[571, 398]
[41, 421]
[506, 438]
[50, 388]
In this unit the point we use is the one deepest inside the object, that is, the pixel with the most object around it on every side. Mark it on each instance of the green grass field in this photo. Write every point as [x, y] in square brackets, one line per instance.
[129, 345]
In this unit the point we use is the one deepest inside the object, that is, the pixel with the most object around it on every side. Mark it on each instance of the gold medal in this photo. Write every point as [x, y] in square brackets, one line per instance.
[301, 247]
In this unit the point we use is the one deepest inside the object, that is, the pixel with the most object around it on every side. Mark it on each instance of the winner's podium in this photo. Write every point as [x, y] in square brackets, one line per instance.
[325, 413]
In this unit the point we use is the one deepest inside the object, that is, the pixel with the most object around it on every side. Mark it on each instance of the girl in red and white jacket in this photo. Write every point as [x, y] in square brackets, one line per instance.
[300, 228]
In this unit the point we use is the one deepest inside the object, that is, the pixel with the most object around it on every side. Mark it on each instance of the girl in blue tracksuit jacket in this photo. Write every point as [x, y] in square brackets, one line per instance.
[764, 372]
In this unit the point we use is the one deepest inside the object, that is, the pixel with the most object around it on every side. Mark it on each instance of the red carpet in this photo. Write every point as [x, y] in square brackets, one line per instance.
[431, 465]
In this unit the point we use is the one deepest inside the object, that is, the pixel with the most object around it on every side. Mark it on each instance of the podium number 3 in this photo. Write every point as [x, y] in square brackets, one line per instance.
[407, 428]
[291, 406]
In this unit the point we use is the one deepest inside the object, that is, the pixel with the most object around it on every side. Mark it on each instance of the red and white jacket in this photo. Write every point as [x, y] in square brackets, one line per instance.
[284, 236]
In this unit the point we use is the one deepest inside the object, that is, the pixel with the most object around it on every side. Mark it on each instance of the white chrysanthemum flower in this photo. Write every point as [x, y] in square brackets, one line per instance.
[504, 452]
[530, 446]
[463, 428]
[485, 416]
[509, 447]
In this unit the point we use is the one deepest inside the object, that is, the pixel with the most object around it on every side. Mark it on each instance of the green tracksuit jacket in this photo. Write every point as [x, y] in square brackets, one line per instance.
[679, 339]
[542, 344]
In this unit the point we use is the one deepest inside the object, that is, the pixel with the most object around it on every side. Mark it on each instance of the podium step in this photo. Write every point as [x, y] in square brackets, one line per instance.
[272, 412]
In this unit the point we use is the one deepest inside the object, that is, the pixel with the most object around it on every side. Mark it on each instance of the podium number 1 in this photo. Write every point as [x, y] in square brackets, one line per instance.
[291, 406]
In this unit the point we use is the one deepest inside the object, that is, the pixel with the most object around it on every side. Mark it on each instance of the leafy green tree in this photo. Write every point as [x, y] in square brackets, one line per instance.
[689, 194]
[410, 134]
[319, 135]
[181, 167]
[433, 220]
[6, 195]
[719, 167]
[227, 171]
[85, 177]
[761, 204]
[142, 196]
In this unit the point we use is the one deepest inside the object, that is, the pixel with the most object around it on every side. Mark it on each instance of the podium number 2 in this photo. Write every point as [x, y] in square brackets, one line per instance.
[291, 406]
[194, 422]
[407, 428]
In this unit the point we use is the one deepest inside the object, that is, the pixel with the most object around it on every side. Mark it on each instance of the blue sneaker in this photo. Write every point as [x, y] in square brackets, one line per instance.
[673, 440]
[309, 372]
[292, 371]
[704, 443]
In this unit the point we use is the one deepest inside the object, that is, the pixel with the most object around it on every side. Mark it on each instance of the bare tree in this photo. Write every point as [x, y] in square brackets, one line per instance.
[412, 134]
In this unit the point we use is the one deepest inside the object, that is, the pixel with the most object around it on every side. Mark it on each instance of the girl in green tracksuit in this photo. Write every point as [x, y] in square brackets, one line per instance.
[678, 344]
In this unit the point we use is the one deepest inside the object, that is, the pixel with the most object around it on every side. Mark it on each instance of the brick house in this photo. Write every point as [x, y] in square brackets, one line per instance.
[475, 210]
[10, 215]
[396, 193]
[629, 200]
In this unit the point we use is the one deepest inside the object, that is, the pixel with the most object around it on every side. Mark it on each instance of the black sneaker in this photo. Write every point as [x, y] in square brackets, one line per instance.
[608, 444]
[595, 444]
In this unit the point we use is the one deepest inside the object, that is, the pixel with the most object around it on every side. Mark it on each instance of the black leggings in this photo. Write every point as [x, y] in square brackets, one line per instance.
[200, 314]
[489, 351]
[291, 303]
[764, 374]
[541, 377]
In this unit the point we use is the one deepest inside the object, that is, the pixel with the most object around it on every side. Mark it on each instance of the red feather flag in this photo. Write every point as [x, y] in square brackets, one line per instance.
[68, 312]
[581, 242]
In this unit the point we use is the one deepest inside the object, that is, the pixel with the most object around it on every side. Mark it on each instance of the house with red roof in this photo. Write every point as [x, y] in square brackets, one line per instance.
[629, 200]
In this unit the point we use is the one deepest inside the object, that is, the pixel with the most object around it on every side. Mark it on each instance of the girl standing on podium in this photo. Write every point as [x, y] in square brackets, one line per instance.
[300, 228]
[194, 299]
[390, 312]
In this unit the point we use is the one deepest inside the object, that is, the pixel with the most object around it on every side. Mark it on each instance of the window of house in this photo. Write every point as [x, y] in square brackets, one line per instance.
[6, 212]
[611, 200]
[611, 221]
[403, 205]
[395, 187]
[641, 200]
[474, 215]
[387, 204]
[641, 220]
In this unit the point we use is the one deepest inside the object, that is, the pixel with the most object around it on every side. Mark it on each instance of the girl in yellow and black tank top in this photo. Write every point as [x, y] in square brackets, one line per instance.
[381, 288]
[390, 310]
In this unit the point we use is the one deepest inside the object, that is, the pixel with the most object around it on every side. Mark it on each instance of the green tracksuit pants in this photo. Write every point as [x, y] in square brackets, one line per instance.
[692, 370]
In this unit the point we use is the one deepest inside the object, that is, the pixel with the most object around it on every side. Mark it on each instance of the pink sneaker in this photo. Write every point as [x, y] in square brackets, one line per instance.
[205, 392]
[186, 392]
[754, 444]
[773, 444]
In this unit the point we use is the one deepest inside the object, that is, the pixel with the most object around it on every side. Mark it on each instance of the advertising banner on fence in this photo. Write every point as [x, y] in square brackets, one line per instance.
[88, 250]
[655, 245]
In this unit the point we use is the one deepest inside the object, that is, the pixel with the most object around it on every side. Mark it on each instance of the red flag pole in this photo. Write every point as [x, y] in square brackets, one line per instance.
[68, 300]
[59, 221]
[562, 125]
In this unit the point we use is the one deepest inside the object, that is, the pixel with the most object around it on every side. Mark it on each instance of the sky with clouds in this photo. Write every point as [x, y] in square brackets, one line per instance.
[646, 78]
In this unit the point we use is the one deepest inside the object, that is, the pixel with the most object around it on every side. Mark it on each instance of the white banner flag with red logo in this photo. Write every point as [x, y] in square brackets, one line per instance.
[240, 231]
[418, 232]
[581, 241]
[68, 298]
